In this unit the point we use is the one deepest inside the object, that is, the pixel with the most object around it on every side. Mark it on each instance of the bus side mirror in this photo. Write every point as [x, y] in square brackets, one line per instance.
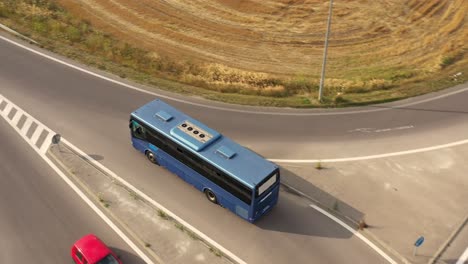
[130, 125]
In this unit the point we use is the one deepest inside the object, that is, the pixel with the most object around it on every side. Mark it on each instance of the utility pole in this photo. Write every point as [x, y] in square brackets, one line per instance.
[322, 77]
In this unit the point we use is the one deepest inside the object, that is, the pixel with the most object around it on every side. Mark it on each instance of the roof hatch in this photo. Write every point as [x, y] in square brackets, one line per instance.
[164, 116]
[226, 152]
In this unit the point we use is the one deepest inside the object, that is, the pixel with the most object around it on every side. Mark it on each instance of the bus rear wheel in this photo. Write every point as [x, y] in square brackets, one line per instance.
[211, 196]
[151, 157]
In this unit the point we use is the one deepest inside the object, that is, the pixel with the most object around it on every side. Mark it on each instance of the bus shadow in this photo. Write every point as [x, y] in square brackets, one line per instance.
[294, 214]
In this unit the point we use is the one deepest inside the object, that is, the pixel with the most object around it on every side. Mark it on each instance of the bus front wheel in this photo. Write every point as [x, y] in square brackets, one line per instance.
[211, 196]
[151, 157]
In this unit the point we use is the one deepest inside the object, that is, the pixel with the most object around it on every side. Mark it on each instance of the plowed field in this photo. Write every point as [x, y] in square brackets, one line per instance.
[369, 37]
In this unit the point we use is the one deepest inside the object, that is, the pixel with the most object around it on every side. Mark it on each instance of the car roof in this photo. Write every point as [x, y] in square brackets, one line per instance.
[92, 248]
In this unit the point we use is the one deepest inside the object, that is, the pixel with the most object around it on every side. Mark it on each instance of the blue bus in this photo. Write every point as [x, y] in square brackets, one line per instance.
[230, 175]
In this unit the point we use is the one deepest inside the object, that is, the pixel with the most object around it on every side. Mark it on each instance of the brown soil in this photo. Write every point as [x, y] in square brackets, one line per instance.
[286, 36]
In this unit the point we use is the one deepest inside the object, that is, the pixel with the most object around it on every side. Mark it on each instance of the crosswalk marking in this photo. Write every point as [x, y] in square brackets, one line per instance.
[34, 136]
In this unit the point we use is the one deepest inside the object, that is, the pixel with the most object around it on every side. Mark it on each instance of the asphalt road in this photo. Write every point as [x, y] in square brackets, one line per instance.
[93, 114]
[40, 217]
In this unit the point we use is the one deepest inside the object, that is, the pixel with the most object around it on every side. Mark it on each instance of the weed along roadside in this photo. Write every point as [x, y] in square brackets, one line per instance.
[153, 229]
[260, 74]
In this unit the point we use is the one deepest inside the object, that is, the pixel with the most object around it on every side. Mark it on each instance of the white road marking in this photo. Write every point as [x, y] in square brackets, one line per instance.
[16, 118]
[320, 113]
[266, 113]
[45, 146]
[385, 155]
[27, 124]
[375, 130]
[41, 127]
[157, 205]
[463, 258]
[36, 134]
[7, 110]
[355, 233]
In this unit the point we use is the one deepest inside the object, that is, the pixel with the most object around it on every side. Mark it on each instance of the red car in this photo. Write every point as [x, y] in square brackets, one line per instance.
[91, 250]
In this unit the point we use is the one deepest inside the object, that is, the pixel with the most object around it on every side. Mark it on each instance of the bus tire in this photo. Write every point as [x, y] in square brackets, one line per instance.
[211, 196]
[151, 157]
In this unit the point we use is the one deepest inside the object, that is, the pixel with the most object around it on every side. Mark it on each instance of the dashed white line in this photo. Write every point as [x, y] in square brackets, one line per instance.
[463, 258]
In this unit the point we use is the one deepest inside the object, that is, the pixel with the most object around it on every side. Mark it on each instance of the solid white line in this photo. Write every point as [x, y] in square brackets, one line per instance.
[76, 189]
[354, 232]
[385, 155]
[157, 205]
[463, 258]
[97, 210]
[225, 108]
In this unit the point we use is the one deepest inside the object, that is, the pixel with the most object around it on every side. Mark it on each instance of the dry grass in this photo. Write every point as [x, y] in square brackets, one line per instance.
[267, 48]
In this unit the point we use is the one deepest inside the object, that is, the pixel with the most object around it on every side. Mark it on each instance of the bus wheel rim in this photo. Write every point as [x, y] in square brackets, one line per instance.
[151, 156]
[211, 195]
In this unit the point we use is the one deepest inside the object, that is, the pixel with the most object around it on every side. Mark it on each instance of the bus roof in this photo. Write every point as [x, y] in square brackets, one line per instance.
[228, 156]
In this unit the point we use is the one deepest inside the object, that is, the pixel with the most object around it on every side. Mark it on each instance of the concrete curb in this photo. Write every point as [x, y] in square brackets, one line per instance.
[200, 236]
[17, 34]
[449, 240]
[352, 222]
[96, 199]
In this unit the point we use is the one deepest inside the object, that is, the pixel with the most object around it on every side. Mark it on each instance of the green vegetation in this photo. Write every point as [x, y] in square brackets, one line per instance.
[58, 30]
[104, 202]
[162, 214]
[318, 165]
[134, 195]
[216, 252]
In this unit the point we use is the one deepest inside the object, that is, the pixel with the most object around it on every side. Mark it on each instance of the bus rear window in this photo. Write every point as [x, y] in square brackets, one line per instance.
[262, 188]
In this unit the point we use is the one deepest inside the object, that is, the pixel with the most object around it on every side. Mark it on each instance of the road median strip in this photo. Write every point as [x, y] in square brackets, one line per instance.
[155, 228]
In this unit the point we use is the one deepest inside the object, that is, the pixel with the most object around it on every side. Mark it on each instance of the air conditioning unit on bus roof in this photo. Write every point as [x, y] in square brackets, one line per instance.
[195, 132]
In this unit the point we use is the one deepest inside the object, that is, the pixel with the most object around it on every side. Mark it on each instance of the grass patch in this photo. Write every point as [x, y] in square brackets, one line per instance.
[216, 251]
[104, 202]
[318, 166]
[134, 195]
[179, 226]
[447, 60]
[162, 214]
